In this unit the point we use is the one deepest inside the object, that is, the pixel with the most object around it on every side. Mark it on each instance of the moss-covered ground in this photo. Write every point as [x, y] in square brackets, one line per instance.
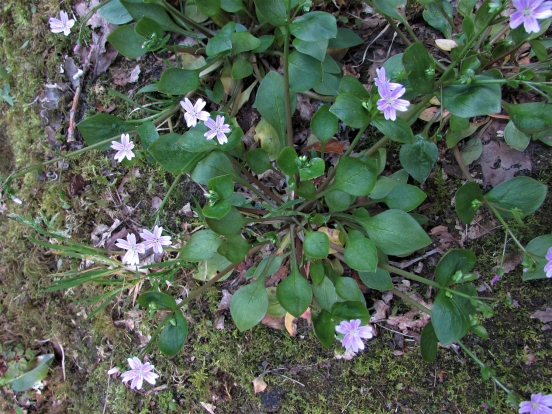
[218, 366]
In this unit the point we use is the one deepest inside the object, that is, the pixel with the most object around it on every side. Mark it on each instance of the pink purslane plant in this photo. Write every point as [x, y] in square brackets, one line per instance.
[133, 249]
[539, 404]
[354, 334]
[138, 373]
[548, 266]
[390, 103]
[61, 25]
[155, 239]
[382, 79]
[528, 12]
[124, 148]
[193, 113]
[217, 129]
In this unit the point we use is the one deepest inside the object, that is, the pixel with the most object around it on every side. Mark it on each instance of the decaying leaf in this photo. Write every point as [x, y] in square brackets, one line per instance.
[381, 309]
[446, 44]
[544, 316]
[259, 385]
[210, 408]
[273, 322]
[333, 146]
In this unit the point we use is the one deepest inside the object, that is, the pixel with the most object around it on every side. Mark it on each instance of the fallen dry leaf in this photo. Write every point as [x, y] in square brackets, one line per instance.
[210, 408]
[544, 316]
[290, 325]
[122, 77]
[381, 309]
[274, 322]
[333, 146]
[259, 385]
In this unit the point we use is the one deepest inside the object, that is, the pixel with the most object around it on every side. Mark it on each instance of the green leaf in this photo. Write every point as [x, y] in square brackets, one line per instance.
[41, 366]
[266, 42]
[172, 157]
[420, 68]
[472, 150]
[209, 8]
[470, 100]
[127, 42]
[338, 200]
[347, 289]
[316, 271]
[419, 158]
[404, 197]
[465, 196]
[314, 169]
[156, 300]
[115, 13]
[384, 185]
[349, 310]
[459, 124]
[429, 343]
[316, 245]
[287, 161]
[345, 38]
[148, 134]
[249, 305]
[360, 253]
[324, 328]
[314, 26]
[465, 7]
[232, 223]
[214, 165]
[522, 193]
[349, 109]
[324, 124]
[176, 81]
[294, 293]
[100, 127]
[217, 210]
[244, 42]
[147, 27]
[231, 6]
[530, 117]
[350, 84]
[390, 8]
[274, 307]
[234, 248]
[201, 246]
[172, 337]
[273, 266]
[305, 72]
[273, 11]
[378, 280]
[538, 249]
[453, 261]
[449, 319]
[241, 68]
[208, 269]
[271, 104]
[325, 293]
[194, 139]
[222, 42]
[258, 160]
[316, 50]
[139, 9]
[223, 186]
[515, 138]
[354, 177]
[395, 232]
[397, 130]
[433, 16]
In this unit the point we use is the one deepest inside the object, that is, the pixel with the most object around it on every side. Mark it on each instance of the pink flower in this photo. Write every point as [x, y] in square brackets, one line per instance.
[155, 239]
[528, 11]
[548, 267]
[539, 404]
[139, 373]
[382, 80]
[194, 112]
[354, 333]
[61, 25]
[124, 148]
[131, 256]
[495, 279]
[217, 129]
[390, 103]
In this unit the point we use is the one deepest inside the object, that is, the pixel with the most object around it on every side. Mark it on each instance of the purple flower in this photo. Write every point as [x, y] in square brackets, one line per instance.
[354, 333]
[539, 404]
[124, 148]
[139, 373]
[390, 103]
[61, 25]
[194, 112]
[528, 11]
[217, 129]
[382, 80]
[155, 239]
[131, 256]
[495, 279]
[548, 267]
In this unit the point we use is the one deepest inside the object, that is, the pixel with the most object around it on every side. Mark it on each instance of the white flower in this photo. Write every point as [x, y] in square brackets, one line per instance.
[194, 112]
[124, 148]
[61, 26]
[155, 239]
[131, 256]
[217, 129]
[139, 373]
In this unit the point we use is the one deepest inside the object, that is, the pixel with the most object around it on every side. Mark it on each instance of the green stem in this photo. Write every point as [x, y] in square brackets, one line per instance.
[171, 188]
[410, 301]
[507, 53]
[287, 97]
[187, 20]
[409, 275]
[318, 97]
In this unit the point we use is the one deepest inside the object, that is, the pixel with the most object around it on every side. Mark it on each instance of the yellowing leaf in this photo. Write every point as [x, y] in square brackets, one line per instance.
[259, 385]
[333, 235]
[268, 137]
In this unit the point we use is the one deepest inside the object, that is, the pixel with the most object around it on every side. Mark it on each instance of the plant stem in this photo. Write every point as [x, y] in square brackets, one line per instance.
[507, 53]
[410, 301]
[171, 188]
[287, 97]
[409, 275]
[187, 20]
[318, 97]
